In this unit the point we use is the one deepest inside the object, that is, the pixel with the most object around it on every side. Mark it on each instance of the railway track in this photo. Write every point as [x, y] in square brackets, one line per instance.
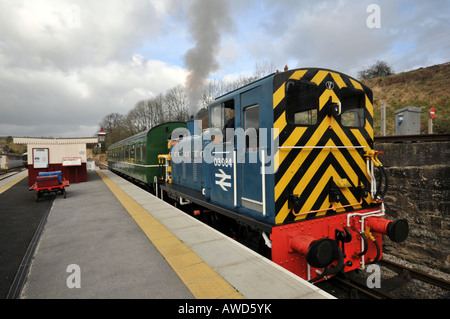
[398, 282]
[357, 290]
[413, 138]
[8, 173]
[416, 274]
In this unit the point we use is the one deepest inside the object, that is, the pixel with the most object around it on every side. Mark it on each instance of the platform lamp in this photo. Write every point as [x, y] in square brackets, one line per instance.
[101, 139]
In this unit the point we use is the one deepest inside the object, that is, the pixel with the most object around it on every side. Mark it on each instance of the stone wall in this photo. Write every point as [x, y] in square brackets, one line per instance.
[419, 184]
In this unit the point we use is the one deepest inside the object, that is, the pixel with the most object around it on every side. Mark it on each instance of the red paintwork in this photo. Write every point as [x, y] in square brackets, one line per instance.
[323, 227]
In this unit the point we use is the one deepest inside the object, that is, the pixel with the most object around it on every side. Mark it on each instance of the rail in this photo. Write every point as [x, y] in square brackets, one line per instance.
[101, 165]
[356, 287]
[413, 138]
[417, 274]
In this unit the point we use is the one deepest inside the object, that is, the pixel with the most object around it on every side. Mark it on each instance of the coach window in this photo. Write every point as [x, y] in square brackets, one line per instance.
[353, 104]
[132, 151]
[302, 102]
[138, 153]
[144, 154]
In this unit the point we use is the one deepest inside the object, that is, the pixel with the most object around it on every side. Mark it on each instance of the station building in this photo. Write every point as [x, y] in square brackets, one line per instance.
[67, 155]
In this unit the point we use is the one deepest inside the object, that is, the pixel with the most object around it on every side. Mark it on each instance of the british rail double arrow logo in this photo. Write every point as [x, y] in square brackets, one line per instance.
[223, 177]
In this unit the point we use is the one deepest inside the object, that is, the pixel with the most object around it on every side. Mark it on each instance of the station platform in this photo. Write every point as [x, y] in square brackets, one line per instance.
[109, 239]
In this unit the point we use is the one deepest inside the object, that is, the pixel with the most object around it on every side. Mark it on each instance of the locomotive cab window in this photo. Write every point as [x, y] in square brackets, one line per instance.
[251, 127]
[217, 116]
[222, 117]
[302, 102]
[353, 104]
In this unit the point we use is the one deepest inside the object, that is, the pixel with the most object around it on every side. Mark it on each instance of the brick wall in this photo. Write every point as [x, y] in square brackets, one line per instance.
[419, 184]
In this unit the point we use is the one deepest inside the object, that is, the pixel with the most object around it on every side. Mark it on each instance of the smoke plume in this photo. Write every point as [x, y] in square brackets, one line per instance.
[207, 21]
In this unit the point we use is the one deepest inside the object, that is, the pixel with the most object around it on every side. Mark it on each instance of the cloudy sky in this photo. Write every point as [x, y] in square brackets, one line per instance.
[65, 64]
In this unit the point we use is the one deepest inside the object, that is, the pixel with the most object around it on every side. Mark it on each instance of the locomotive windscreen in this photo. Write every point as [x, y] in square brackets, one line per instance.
[353, 104]
[302, 102]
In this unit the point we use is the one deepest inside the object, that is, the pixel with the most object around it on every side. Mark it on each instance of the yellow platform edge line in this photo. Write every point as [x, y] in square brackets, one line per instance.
[12, 183]
[199, 277]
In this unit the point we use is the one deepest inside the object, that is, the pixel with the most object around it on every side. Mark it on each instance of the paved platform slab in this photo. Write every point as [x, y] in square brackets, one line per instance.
[252, 275]
[116, 260]
[118, 241]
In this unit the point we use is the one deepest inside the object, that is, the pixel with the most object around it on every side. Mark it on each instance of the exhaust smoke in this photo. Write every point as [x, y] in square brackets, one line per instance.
[207, 21]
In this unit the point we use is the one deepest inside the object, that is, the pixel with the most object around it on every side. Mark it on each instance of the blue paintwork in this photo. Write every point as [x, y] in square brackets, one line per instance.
[215, 178]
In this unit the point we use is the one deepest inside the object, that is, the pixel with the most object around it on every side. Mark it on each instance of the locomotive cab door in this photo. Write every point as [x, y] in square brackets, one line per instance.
[222, 167]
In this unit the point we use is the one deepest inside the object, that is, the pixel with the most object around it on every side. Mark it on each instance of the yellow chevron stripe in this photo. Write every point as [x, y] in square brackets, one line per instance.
[361, 140]
[323, 99]
[356, 85]
[282, 214]
[291, 141]
[279, 125]
[318, 189]
[298, 161]
[330, 172]
[345, 165]
[338, 79]
[369, 129]
[318, 78]
[297, 75]
[279, 95]
[345, 141]
[369, 106]
[323, 182]
[309, 174]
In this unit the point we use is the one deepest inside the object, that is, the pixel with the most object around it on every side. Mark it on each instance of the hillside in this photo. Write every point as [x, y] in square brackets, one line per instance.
[425, 87]
[13, 148]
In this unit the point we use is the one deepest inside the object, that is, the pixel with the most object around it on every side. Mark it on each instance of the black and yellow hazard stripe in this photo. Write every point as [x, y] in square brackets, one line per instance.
[306, 172]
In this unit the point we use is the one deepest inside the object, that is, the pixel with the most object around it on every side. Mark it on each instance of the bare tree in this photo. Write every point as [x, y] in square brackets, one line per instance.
[115, 128]
[177, 103]
[262, 69]
[139, 118]
[174, 105]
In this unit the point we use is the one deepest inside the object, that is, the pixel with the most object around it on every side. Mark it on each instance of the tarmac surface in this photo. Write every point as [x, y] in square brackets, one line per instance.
[20, 216]
[109, 239]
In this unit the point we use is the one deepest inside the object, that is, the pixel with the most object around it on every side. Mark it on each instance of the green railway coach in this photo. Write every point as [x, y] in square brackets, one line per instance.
[137, 156]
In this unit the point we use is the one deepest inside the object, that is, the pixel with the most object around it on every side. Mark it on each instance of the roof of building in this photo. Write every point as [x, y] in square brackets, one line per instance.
[55, 141]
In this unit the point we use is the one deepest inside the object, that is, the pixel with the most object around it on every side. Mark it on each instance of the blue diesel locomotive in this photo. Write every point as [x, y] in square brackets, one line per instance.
[287, 167]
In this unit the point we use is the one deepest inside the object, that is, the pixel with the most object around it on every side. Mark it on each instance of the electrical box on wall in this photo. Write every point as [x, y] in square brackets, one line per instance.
[407, 121]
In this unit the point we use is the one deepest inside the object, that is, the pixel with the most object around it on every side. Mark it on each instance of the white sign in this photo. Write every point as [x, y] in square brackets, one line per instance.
[223, 177]
[71, 161]
[40, 157]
